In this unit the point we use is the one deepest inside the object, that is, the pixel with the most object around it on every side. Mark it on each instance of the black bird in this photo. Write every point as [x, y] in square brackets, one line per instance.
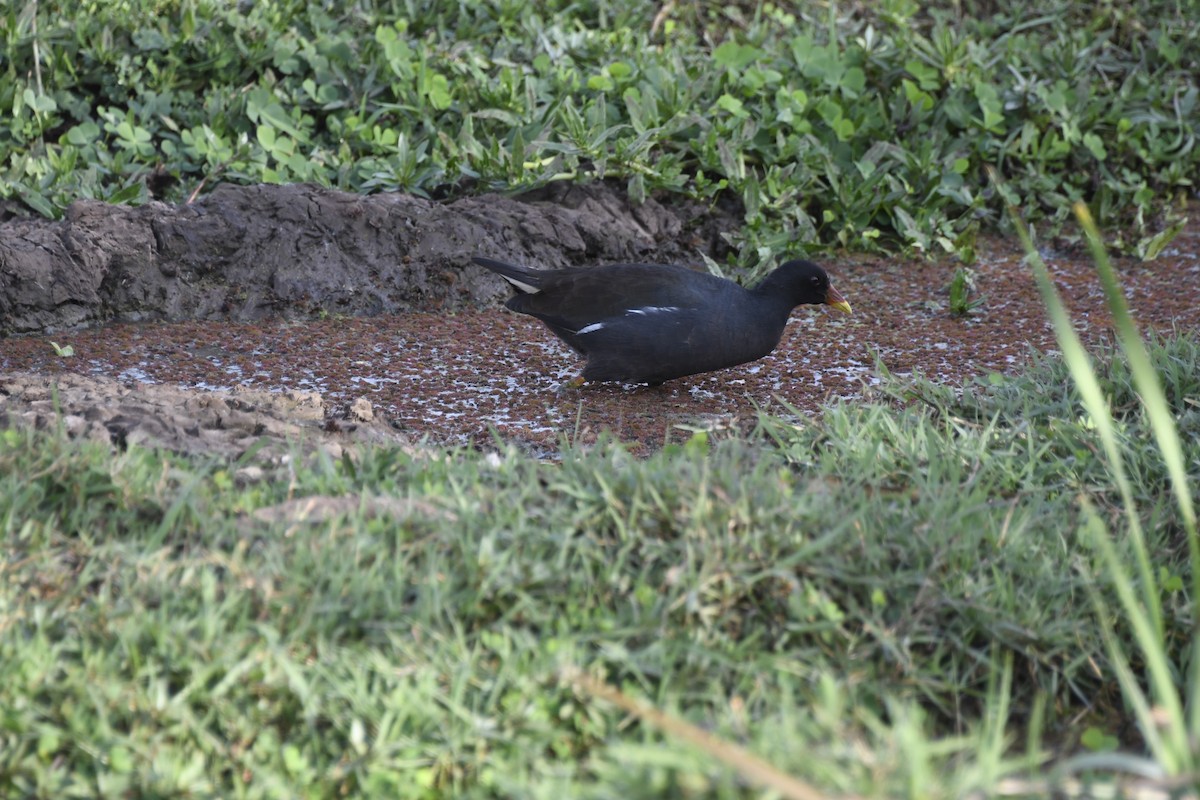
[649, 323]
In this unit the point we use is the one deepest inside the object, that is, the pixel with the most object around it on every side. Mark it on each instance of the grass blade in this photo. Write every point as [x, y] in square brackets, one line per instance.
[1161, 421]
[1166, 734]
[748, 765]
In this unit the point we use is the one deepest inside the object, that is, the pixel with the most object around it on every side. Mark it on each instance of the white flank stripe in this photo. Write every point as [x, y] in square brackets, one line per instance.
[651, 310]
[595, 326]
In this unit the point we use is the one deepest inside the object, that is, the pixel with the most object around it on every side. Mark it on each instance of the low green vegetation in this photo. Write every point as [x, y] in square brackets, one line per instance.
[858, 125]
[964, 299]
[903, 595]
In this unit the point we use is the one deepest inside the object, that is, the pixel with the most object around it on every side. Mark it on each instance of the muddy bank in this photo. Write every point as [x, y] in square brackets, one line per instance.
[346, 319]
[245, 253]
[467, 376]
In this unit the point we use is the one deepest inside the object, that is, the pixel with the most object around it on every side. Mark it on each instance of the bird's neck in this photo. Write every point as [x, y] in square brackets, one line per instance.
[773, 302]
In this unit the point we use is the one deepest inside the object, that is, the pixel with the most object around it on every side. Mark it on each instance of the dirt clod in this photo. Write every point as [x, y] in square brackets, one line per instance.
[182, 420]
[250, 252]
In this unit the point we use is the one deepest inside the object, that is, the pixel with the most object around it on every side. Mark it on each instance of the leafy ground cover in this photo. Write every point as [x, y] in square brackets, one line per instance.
[900, 596]
[830, 124]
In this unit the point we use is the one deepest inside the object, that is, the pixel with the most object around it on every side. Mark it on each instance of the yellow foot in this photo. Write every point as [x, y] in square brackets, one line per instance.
[574, 383]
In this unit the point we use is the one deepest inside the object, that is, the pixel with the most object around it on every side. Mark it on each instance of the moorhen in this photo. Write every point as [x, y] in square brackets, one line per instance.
[649, 323]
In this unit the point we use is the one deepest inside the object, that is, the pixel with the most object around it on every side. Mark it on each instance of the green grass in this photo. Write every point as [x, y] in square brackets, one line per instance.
[845, 599]
[856, 125]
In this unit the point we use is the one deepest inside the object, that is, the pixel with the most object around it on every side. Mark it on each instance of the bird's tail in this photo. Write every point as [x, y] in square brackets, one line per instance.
[525, 280]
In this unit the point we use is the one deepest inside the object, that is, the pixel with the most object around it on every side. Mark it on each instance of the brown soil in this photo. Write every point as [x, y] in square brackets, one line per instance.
[458, 373]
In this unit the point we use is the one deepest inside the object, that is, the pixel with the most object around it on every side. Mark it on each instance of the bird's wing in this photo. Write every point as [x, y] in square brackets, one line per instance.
[576, 298]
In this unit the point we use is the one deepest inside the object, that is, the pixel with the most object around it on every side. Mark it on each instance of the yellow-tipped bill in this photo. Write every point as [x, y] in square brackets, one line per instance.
[834, 298]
